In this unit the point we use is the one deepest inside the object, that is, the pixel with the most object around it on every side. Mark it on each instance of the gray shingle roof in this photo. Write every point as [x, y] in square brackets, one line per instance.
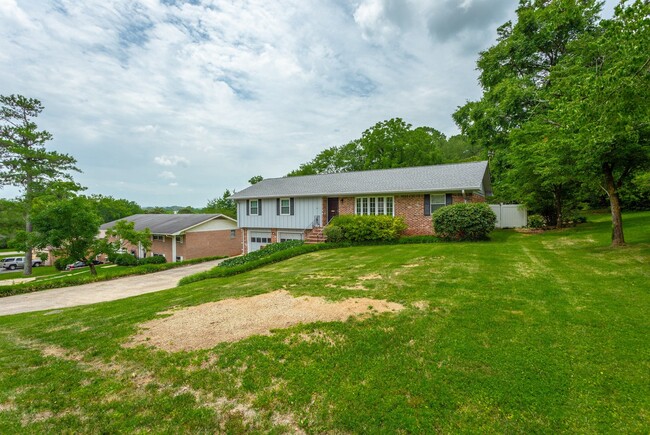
[472, 176]
[165, 223]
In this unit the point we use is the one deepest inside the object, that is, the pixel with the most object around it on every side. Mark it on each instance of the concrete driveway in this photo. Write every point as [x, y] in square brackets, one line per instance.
[99, 291]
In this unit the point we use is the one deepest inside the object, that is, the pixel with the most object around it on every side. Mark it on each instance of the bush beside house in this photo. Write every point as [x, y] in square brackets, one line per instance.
[373, 228]
[464, 221]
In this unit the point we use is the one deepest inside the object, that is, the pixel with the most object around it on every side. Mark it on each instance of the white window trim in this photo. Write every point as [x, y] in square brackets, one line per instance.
[433, 206]
[257, 207]
[362, 205]
[288, 213]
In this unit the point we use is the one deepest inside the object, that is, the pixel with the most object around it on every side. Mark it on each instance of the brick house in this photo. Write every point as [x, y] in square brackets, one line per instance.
[287, 208]
[180, 237]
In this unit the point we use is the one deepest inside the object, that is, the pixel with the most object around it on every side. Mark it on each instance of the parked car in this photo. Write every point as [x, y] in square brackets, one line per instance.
[80, 264]
[14, 263]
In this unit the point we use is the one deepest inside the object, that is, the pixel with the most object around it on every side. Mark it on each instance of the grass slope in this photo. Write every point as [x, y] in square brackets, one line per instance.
[526, 333]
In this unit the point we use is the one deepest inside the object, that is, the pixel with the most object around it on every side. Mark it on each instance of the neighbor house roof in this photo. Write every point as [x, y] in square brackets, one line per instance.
[472, 176]
[167, 224]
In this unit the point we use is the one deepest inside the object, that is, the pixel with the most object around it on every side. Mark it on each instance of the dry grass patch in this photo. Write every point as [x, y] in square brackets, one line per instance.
[205, 326]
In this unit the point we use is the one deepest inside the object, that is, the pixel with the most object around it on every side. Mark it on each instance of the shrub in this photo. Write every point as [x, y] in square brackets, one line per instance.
[535, 221]
[465, 221]
[365, 228]
[125, 260]
[333, 233]
[155, 259]
[61, 263]
[264, 252]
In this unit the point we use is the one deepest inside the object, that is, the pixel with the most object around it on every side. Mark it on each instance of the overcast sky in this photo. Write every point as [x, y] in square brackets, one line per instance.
[170, 102]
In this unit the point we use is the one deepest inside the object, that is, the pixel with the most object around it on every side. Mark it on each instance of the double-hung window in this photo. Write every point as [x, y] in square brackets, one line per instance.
[254, 206]
[438, 200]
[285, 206]
[374, 205]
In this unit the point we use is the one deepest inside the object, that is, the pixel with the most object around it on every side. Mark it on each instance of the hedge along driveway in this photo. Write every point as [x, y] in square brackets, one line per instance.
[100, 291]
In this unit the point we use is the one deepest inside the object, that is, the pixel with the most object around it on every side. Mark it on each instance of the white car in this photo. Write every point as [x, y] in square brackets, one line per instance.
[14, 263]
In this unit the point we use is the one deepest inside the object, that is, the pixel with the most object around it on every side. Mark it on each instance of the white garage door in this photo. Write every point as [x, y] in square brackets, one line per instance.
[284, 236]
[258, 239]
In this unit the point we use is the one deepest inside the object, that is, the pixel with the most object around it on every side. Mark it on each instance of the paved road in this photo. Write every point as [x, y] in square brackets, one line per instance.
[99, 291]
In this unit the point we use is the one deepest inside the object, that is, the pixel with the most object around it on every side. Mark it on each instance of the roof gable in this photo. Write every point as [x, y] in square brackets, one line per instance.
[166, 223]
[472, 176]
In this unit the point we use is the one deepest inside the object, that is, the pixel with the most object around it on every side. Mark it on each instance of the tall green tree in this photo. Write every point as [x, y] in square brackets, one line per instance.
[515, 77]
[601, 105]
[224, 205]
[71, 228]
[24, 160]
[111, 209]
[388, 144]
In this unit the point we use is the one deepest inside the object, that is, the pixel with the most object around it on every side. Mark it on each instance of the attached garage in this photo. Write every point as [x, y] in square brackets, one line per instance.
[258, 239]
[283, 236]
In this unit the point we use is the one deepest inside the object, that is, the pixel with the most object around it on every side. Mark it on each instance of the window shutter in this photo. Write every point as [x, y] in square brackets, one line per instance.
[248, 207]
[291, 206]
[427, 205]
[259, 207]
[448, 199]
[277, 206]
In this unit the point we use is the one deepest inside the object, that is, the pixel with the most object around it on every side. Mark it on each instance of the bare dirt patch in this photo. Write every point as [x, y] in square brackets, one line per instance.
[205, 326]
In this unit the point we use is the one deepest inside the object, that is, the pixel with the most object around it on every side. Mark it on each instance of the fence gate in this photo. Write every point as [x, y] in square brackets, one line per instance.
[510, 215]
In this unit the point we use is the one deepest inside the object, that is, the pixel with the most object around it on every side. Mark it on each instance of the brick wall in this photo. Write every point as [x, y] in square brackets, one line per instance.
[411, 209]
[209, 243]
[474, 197]
[197, 245]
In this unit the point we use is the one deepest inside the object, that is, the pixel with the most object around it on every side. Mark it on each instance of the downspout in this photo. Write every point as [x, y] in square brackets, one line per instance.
[464, 197]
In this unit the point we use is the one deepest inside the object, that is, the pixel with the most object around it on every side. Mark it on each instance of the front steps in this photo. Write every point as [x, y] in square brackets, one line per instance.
[316, 236]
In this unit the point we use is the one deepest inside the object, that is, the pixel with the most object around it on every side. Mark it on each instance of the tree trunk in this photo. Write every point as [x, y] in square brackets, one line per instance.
[615, 205]
[91, 265]
[28, 227]
[557, 196]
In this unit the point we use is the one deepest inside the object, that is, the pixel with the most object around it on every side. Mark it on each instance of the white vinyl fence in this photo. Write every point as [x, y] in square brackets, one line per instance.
[510, 215]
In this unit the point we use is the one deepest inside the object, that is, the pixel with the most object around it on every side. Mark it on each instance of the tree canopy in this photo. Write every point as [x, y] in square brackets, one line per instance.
[565, 104]
[391, 144]
[71, 228]
[24, 160]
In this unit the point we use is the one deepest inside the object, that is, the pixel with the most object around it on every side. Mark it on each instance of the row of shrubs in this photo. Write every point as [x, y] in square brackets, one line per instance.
[270, 254]
[265, 252]
[466, 221]
[351, 228]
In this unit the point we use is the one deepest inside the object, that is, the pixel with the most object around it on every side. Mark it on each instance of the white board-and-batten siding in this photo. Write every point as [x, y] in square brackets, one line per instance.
[304, 212]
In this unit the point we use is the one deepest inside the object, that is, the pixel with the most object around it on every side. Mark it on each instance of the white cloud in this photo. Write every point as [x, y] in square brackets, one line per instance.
[171, 160]
[167, 175]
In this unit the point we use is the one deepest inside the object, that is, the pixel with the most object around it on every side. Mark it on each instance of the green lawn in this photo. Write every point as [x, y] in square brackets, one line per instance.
[528, 333]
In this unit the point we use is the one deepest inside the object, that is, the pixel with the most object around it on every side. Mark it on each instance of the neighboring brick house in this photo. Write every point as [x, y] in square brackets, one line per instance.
[286, 208]
[180, 237]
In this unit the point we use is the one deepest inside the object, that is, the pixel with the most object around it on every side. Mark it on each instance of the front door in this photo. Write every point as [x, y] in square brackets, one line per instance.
[332, 208]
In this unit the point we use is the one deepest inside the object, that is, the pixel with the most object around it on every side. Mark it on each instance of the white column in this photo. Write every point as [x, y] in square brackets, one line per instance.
[174, 248]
